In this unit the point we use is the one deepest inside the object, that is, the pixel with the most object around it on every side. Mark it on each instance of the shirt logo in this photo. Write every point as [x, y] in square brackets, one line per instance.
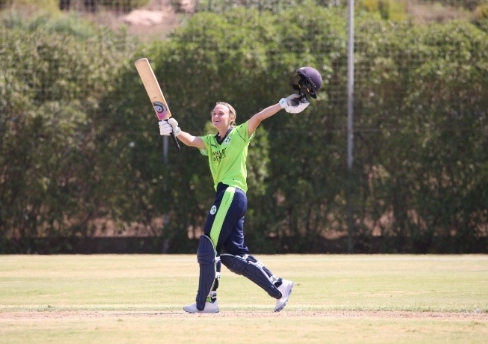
[213, 210]
[218, 155]
[227, 140]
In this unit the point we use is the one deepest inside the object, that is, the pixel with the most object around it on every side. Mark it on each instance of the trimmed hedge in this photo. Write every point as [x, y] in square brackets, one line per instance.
[81, 155]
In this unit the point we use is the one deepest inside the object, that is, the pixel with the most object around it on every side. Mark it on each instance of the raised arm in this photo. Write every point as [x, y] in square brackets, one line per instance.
[171, 125]
[256, 120]
[291, 104]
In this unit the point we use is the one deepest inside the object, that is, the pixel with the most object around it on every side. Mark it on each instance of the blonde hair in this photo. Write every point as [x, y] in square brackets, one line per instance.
[231, 110]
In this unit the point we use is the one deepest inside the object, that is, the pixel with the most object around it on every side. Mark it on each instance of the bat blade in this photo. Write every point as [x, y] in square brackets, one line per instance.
[154, 92]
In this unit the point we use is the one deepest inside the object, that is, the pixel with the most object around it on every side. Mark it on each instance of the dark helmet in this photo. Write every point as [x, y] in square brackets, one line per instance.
[307, 81]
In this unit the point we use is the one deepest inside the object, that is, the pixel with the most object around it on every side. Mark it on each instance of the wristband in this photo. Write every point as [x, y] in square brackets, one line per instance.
[283, 103]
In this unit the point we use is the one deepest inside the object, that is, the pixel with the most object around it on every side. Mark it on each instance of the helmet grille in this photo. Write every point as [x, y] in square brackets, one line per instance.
[304, 86]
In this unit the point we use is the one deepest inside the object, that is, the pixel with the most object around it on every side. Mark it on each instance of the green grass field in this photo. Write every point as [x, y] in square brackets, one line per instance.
[337, 298]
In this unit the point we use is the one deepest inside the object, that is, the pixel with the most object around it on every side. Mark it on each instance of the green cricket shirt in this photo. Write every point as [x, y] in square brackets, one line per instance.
[227, 160]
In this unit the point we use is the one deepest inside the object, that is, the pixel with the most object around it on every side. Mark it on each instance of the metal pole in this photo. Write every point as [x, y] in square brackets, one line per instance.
[350, 126]
[165, 247]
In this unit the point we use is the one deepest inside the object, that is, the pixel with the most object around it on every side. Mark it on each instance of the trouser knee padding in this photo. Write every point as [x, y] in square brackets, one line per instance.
[251, 268]
[206, 260]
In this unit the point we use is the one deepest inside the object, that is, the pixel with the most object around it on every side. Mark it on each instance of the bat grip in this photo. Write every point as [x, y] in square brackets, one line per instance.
[175, 140]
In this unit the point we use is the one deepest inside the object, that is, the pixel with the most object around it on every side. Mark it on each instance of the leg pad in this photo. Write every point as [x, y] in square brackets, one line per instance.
[206, 260]
[253, 269]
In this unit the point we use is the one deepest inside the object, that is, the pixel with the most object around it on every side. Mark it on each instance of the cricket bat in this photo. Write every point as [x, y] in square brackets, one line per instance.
[154, 92]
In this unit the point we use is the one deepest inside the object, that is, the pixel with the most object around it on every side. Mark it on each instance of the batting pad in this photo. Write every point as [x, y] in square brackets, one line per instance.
[253, 269]
[206, 259]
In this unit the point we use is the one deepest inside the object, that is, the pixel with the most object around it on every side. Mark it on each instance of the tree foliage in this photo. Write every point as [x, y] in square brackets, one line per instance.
[51, 87]
[80, 147]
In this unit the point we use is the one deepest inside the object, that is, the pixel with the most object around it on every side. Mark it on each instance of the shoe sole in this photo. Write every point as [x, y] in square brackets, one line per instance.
[209, 308]
[286, 301]
[200, 312]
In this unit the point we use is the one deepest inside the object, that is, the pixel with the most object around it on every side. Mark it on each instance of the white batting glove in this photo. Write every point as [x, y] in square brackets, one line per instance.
[292, 103]
[166, 127]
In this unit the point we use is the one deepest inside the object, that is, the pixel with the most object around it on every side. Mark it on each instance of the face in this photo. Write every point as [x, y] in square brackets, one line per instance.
[221, 117]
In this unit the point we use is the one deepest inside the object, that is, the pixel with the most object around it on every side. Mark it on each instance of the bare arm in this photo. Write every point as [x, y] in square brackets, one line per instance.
[256, 120]
[171, 126]
[190, 140]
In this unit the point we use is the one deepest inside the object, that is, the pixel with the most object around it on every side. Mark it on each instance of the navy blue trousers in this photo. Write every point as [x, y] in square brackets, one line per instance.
[225, 221]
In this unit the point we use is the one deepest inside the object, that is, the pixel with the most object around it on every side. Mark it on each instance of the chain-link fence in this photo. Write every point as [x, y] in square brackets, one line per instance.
[81, 155]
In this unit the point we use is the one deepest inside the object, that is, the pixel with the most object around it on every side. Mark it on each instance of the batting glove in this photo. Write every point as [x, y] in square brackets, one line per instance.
[166, 127]
[294, 104]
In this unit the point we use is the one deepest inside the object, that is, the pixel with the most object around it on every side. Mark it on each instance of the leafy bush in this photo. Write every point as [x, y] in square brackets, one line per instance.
[221, 6]
[48, 144]
[70, 24]
[46, 5]
[481, 12]
[80, 144]
[387, 9]
[468, 4]
[121, 5]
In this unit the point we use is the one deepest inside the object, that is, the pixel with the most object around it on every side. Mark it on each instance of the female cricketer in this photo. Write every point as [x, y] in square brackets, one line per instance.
[224, 227]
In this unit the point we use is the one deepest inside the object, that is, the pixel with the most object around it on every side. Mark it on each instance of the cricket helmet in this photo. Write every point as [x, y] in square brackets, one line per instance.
[307, 81]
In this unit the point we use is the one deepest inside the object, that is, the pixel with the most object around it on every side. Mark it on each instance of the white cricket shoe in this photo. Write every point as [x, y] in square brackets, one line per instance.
[285, 289]
[209, 308]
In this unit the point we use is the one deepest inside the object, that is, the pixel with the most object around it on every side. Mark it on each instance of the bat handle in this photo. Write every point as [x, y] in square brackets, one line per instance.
[175, 140]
